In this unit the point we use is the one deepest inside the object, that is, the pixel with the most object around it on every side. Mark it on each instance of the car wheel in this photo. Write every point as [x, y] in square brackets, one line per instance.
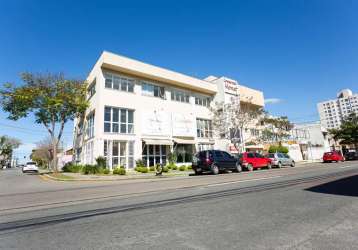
[269, 166]
[198, 172]
[292, 164]
[250, 167]
[214, 169]
[238, 168]
[279, 165]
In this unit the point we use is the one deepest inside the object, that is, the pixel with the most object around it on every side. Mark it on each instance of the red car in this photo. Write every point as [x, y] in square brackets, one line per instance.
[332, 156]
[251, 161]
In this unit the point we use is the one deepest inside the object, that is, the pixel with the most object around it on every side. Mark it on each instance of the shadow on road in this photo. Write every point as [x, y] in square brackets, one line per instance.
[347, 186]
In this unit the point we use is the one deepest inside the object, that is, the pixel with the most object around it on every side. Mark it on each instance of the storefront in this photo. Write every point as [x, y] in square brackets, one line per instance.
[119, 153]
[155, 151]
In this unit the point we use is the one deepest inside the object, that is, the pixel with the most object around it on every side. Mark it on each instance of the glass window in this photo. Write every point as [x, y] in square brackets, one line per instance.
[202, 101]
[90, 125]
[204, 128]
[179, 96]
[119, 83]
[118, 120]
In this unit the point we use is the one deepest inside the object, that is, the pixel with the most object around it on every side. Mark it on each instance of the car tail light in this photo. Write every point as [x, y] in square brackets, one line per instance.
[208, 161]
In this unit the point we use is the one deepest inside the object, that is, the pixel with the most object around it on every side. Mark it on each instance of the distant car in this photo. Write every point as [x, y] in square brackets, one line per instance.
[351, 156]
[214, 161]
[280, 159]
[332, 156]
[30, 167]
[251, 161]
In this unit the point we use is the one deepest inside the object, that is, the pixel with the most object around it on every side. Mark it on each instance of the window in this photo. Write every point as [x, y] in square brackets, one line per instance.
[119, 83]
[154, 154]
[91, 89]
[204, 128]
[119, 153]
[90, 125]
[250, 155]
[118, 120]
[179, 96]
[89, 152]
[149, 89]
[203, 101]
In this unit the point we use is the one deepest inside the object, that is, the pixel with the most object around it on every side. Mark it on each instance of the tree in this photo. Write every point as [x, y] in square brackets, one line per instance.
[276, 129]
[7, 146]
[231, 119]
[42, 154]
[348, 131]
[52, 99]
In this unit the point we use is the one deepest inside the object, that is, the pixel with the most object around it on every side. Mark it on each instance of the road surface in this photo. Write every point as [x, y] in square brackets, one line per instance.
[312, 206]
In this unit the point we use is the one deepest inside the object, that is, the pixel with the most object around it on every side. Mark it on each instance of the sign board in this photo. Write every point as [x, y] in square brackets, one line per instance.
[156, 122]
[230, 86]
[183, 125]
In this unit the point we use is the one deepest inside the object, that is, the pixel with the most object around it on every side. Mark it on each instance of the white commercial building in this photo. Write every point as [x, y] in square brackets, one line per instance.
[332, 112]
[311, 141]
[140, 111]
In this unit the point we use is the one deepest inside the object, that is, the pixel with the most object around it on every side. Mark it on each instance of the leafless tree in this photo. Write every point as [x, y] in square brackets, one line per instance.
[230, 120]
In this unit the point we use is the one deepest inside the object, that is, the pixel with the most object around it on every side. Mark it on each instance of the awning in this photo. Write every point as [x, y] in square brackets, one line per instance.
[184, 141]
[158, 142]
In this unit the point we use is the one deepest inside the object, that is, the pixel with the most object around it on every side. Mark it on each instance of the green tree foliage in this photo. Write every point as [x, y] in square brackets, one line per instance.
[277, 128]
[7, 146]
[348, 131]
[51, 98]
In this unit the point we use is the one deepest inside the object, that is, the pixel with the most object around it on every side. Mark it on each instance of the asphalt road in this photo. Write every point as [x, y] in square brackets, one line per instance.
[314, 206]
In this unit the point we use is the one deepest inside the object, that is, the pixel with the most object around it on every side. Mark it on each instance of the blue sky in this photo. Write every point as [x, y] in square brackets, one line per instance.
[297, 52]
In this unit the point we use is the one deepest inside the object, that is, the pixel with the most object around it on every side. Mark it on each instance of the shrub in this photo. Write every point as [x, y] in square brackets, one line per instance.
[278, 149]
[119, 171]
[101, 161]
[72, 168]
[182, 168]
[152, 169]
[106, 171]
[144, 170]
[165, 169]
[172, 158]
[174, 167]
[189, 167]
[139, 163]
[91, 169]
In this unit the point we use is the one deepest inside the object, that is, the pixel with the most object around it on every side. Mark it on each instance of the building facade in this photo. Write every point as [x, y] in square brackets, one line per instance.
[332, 112]
[140, 111]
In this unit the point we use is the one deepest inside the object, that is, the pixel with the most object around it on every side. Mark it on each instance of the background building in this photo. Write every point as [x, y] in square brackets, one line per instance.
[309, 141]
[332, 112]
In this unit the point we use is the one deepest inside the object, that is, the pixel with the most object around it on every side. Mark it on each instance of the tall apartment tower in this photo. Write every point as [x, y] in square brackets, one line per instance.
[332, 112]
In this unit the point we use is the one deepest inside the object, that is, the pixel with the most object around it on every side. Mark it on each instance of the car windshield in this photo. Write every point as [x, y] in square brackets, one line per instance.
[31, 163]
[271, 155]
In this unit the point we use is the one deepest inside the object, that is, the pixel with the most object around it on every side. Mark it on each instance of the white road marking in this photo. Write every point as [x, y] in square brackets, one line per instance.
[233, 182]
[346, 166]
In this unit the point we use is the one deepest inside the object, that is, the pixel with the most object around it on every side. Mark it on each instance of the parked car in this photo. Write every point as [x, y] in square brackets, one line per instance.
[30, 167]
[280, 159]
[214, 161]
[333, 156]
[351, 156]
[251, 161]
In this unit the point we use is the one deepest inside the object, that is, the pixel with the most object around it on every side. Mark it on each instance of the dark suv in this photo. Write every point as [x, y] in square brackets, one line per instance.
[215, 161]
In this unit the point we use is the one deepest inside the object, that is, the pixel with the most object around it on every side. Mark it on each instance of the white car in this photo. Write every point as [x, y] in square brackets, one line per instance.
[30, 167]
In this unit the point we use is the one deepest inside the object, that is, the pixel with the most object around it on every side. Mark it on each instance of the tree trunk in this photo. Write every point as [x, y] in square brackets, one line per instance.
[54, 155]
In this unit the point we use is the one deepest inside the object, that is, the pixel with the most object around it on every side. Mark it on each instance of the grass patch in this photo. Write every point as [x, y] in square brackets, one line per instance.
[61, 176]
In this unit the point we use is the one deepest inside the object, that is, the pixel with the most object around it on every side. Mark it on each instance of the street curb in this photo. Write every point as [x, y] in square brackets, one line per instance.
[44, 176]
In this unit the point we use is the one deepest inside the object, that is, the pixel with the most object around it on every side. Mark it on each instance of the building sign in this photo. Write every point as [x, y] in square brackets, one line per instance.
[183, 125]
[230, 86]
[156, 123]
